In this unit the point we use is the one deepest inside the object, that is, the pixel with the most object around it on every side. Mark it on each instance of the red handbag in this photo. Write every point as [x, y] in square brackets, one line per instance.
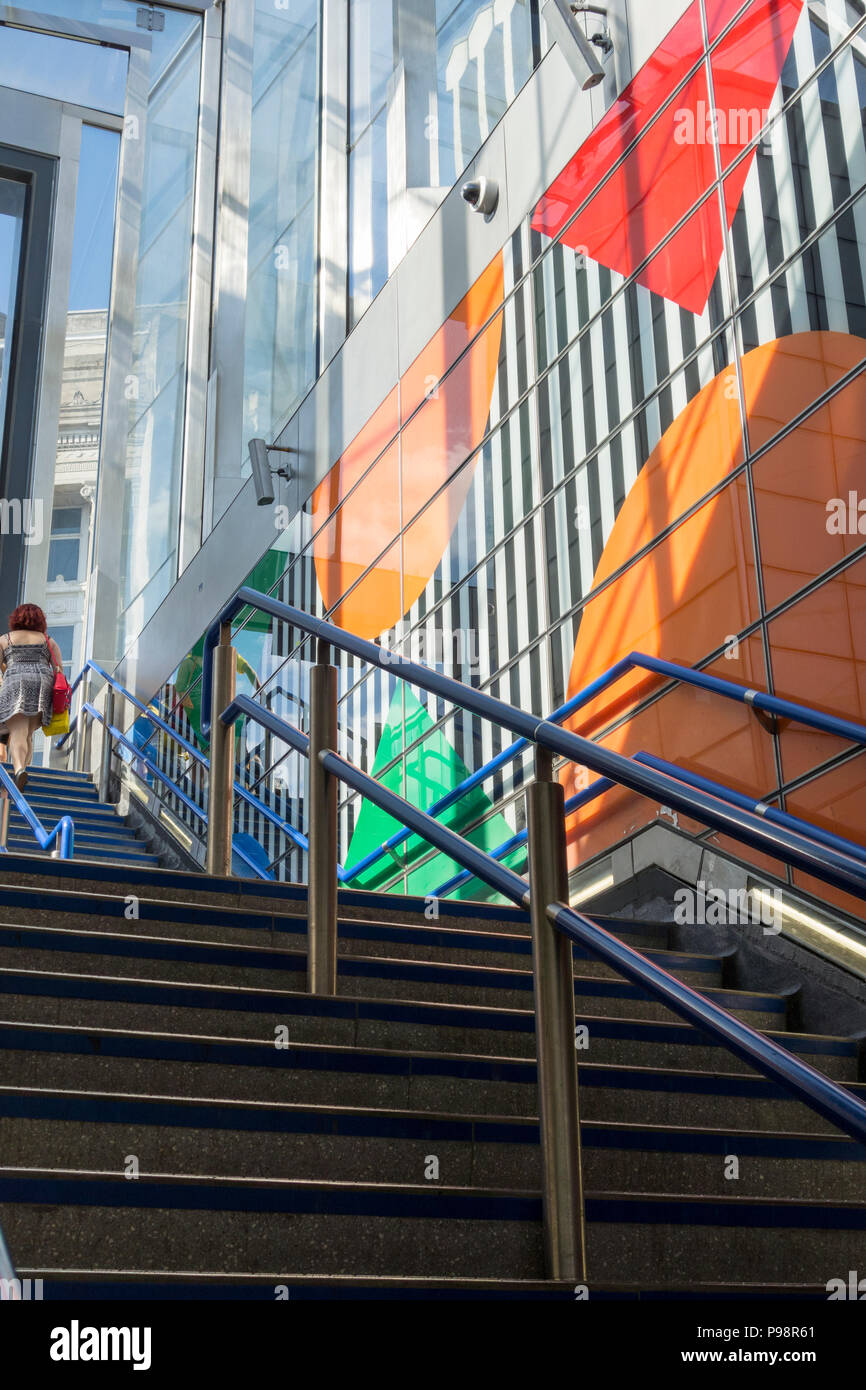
[62, 697]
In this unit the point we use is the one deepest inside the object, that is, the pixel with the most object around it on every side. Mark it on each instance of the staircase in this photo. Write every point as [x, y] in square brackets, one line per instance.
[179, 1117]
[100, 834]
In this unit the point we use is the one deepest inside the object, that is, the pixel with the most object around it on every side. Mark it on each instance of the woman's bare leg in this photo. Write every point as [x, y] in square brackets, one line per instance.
[35, 723]
[19, 740]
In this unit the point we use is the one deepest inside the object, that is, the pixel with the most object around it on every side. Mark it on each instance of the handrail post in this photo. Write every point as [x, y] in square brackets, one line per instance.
[220, 807]
[322, 829]
[553, 975]
[105, 753]
[84, 729]
[5, 807]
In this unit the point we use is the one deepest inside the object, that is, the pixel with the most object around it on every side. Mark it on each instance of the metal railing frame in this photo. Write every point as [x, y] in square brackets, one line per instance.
[62, 835]
[554, 923]
[86, 708]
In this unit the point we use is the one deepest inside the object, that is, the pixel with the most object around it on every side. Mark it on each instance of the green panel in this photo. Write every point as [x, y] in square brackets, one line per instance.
[432, 769]
[249, 643]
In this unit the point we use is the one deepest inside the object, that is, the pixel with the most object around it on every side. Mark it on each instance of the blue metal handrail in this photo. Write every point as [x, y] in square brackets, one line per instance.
[163, 777]
[807, 1084]
[299, 840]
[693, 779]
[756, 699]
[800, 852]
[63, 833]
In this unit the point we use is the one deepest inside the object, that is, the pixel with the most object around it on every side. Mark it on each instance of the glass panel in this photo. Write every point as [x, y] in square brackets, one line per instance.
[806, 487]
[368, 218]
[461, 64]
[13, 196]
[281, 314]
[371, 47]
[483, 58]
[809, 162]
[84, 356]
[156, 390]
[87, 74]
[819, 658]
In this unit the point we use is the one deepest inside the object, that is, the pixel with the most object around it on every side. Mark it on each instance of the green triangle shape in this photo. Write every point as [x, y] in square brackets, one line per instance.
[432, 769]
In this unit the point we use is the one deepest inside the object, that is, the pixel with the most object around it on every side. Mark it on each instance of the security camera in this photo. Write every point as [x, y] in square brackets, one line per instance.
[263, 474]
[576, 48]
[482, 195]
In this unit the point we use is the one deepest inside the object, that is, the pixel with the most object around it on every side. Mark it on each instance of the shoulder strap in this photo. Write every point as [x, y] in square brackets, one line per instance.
[51, 655]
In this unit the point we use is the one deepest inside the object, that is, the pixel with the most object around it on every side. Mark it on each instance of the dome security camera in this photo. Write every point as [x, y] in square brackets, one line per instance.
[482, 195]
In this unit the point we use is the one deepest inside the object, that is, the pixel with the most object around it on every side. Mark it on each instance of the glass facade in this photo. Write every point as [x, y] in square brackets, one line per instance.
[644, 417]
[280, 347]
[435, 76]
[156, 387]
[640, 429]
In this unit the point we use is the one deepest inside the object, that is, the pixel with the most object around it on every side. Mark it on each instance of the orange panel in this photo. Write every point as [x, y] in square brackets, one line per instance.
[447, 429]
[783, 378]
[688, 595]
[354, 536]
[836, 801]
[821, 460]
[818, 650]
[425, 374]
[697, 587]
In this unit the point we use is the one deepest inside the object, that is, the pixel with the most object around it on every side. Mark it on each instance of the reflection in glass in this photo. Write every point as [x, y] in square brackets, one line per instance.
[82, 381]
[156, 390]
[465, 64]
[280, 340]
[87, 74]
[12, 203]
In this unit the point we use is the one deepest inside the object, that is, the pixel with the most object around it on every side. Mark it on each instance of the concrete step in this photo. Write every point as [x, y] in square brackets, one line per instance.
[237, 963]
[310, 1073]
[118, 844]
[358, 977]
[54, 998]
[84, 1216]
[206, 1285]
[91, 1129]
[84, 813]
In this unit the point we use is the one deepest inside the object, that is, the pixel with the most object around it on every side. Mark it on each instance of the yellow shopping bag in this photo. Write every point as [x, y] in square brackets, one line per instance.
[59, 725]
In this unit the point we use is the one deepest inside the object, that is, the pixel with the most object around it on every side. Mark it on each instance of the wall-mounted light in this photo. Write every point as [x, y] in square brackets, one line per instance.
[577, 48]
[482, 195]
[263, 474]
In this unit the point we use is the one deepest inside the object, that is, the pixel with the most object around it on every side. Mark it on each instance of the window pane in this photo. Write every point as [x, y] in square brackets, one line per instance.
[63, 560]
[88, 74]
[65, 519]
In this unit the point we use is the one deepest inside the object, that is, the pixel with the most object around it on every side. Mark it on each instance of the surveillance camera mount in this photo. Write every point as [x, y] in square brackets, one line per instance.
[602, 39]
[280, 449]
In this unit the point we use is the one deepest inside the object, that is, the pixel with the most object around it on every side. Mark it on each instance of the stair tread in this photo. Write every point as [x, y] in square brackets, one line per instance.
[438, 1191]
[420, 1115]
[354, 1050]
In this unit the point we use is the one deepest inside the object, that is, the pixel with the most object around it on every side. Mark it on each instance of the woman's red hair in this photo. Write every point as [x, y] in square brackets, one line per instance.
[29, 617]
